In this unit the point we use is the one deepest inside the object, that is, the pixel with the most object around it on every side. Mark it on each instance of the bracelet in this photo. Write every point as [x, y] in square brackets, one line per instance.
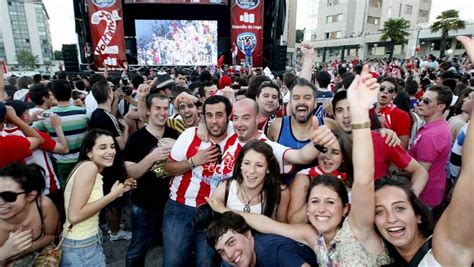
[191, 163]
[358, 126]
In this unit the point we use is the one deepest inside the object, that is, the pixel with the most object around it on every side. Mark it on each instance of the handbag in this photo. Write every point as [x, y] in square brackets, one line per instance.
[50, 256]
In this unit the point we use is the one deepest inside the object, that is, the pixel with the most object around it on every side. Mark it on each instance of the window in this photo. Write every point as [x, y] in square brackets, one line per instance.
[375, 3]
[408, 9]
[334, 2]
[423, 13]
[334, 18]
[373, 20]
[333, 35]
[27, 40]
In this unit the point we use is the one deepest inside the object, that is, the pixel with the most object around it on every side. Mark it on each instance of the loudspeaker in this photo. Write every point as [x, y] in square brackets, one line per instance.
[278, 58]
[70, 58]
[223, 47]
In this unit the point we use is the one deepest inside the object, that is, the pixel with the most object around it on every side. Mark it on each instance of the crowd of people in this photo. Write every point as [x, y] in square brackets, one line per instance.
[178, 42]
[350, 164]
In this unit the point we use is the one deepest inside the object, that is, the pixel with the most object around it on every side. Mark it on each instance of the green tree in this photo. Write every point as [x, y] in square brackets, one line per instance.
[27, 59]
[447, 21]
[396, 32]
[58, 55]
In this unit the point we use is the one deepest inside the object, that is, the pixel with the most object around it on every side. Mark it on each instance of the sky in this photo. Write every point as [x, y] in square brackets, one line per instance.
[61, 17]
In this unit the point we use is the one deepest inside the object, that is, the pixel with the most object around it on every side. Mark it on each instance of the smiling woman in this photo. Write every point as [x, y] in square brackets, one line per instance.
[84, 198]
[28, 220]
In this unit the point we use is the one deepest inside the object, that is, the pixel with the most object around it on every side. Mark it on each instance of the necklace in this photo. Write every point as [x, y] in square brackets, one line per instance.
[244, 195]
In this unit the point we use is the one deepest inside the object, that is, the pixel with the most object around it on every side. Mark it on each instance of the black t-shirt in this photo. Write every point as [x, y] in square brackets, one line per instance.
[151, 192]
[105, 120]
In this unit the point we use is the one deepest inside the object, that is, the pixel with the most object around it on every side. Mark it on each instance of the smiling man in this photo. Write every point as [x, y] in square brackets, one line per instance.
[233, 240]
[390, 115]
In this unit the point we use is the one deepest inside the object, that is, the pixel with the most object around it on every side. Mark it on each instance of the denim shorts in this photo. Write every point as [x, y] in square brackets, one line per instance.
[87, 252]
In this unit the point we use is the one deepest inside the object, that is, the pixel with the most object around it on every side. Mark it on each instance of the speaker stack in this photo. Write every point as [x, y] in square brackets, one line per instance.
[70, 58]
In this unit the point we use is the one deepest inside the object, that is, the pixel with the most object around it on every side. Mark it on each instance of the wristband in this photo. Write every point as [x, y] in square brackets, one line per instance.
[358, 126]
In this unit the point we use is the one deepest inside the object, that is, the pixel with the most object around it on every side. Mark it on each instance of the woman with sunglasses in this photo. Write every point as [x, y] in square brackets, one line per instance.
[84, 198]
[28, 220]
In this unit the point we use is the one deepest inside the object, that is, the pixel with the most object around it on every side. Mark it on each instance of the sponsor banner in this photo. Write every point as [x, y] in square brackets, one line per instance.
[106, 25]
[208, 2]
[247, 30]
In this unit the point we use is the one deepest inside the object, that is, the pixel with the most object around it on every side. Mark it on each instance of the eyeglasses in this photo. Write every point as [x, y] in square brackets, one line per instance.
[9, 196]
[425, 101]
[390, 90]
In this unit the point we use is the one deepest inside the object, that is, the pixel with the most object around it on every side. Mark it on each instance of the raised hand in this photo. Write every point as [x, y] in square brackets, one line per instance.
[143, 90]
[468, 44]
[362, 92]
[129, 184]
[117, 189]
[323, 137]
[307, 48]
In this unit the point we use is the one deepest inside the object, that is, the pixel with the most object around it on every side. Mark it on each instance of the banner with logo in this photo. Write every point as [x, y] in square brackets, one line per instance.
[106, 25]
[247, 31]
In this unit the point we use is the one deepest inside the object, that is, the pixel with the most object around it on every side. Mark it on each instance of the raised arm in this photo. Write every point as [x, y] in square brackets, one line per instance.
[360, 95]
[307, 50]
[31, 134]
[453, 238]
[302, 233]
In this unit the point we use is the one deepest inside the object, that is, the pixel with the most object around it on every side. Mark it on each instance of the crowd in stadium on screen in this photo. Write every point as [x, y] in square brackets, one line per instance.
[178, 42]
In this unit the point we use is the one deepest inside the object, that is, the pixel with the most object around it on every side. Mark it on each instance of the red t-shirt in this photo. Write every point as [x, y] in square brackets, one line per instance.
[397, 120]
[384, 155]
[13, 148]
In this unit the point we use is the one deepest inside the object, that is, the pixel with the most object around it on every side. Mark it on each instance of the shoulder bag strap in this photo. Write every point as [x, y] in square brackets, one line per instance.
[420, 254]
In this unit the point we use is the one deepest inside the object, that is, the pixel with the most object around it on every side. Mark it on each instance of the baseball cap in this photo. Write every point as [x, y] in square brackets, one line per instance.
[164, 81]
[20, 106]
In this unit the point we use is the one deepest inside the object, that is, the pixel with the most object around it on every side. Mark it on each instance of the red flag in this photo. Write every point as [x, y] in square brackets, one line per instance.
[220, 61]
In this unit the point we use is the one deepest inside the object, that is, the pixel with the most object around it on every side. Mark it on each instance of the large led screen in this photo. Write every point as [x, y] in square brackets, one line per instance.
[212, 2]
[176, 42]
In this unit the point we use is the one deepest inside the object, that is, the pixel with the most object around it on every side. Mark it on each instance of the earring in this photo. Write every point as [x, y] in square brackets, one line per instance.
[419, 221]
[307, 213]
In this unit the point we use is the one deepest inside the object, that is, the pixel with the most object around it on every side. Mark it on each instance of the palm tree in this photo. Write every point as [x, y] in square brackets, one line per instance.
[395, 30]
[447, 21]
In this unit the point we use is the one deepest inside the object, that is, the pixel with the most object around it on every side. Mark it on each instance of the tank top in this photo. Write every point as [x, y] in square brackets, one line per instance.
[234, 203]
[90, 226]
[287, 138]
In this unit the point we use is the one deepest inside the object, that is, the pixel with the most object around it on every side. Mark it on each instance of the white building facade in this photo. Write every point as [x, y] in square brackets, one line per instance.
[350, 28]
[24, 26]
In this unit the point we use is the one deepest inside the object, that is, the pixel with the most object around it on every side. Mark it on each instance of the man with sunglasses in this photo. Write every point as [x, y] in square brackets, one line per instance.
[433, 142]
[389, 115]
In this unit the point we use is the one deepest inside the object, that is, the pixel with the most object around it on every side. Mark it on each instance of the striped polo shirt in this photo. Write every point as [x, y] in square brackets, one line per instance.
[74, 123]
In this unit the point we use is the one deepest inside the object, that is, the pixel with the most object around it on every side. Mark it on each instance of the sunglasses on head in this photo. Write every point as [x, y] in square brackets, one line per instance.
[389, 90]
[425, 101]
[9, 196]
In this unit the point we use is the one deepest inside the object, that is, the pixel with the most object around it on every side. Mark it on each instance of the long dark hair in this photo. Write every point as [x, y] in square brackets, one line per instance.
[118, 166]
[271, 190]
[29, 177]
[426, 225]
[346, 149]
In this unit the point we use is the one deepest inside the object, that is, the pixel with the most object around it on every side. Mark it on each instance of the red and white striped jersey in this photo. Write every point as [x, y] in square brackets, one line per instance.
[191, 187]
